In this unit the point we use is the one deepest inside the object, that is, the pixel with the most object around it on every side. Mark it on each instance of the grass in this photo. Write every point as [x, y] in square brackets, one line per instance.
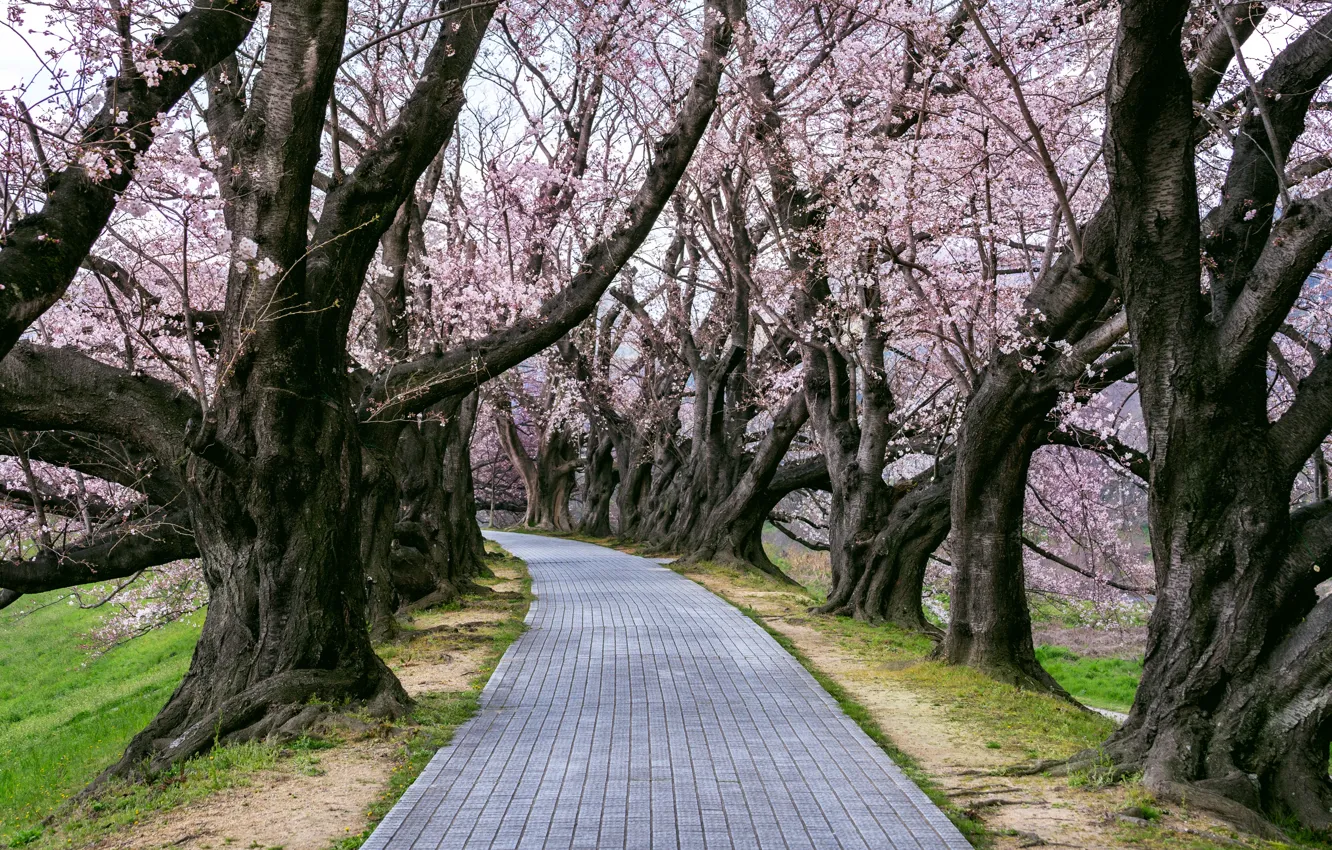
[76, 719]
[121, 807]
[1099, 682]
[64, 715]
[1026, 723]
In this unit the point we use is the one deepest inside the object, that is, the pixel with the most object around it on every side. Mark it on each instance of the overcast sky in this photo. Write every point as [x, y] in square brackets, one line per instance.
[18, 64]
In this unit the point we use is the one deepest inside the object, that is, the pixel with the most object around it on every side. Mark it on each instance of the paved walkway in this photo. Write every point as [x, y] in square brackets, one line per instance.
[641, 711]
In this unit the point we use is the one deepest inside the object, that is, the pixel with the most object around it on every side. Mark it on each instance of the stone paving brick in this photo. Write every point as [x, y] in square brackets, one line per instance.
[641, 711]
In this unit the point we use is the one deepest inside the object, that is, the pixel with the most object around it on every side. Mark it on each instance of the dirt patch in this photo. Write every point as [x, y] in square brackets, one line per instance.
[295, 811]
[464, 619]
[1018, 810]
[512, 580]
[448, 672]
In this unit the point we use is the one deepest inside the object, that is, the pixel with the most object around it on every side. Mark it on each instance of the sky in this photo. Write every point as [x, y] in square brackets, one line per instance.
[18, 63]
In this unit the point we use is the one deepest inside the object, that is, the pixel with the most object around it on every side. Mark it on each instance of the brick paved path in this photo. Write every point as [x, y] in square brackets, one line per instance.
[642, 711]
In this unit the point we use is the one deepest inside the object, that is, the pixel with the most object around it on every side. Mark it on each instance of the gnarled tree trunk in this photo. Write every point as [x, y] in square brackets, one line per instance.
[882, 558]
[989, 624]
[437, 524]
[286, 617]
[732, 531]
[599, 476]
[1233, 711]
[548, 478]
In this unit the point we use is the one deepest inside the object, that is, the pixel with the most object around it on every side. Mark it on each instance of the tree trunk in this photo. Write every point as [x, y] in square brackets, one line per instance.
[1232, 713]
[548, 479]
[879, 537]
[711, 466]
[633, 470]
[880, 558]
[732, 530]
[1234, 699]
[599, 484]
[437, 523]
[989, 622]
[385, 586]
[286, 619]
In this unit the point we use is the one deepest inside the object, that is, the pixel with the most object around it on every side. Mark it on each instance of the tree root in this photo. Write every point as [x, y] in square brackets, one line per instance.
[1111, 769]
[1033, 768]
[281, 707]
[1233, 812]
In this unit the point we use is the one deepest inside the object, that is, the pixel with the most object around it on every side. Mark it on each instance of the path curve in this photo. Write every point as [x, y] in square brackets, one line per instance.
[642, 711]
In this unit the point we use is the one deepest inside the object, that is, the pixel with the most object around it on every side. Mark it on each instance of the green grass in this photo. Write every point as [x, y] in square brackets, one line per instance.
[64, 715]
[1099, 682]
[1024, 723]
[120, 807]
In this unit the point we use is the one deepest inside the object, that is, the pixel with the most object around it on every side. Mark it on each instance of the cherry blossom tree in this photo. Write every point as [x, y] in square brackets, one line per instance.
[1232, 710]
[271, 452]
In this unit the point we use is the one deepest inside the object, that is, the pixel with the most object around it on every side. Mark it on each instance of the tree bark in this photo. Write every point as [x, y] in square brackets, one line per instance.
[548, 478]
[732, 530]
[286, 617]
[989, 621]
[1232, 713]
[880, 557]
[437, 524]
[599, 476]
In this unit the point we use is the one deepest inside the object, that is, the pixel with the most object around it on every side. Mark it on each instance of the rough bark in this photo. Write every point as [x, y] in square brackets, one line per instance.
[883, 557]
[599, 477]
[1232, 713]
[548, 478]
[989, 622]
[437, 523]
[732, 531]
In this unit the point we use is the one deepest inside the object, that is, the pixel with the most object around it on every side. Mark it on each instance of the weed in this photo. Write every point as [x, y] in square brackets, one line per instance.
[1098, 773]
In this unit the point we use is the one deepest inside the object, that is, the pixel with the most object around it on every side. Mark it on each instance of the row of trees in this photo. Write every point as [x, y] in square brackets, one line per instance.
[967, 271]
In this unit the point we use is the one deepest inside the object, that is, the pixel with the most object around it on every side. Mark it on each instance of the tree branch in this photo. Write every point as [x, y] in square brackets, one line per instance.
[41, 254]
[44, 389]
[415, 385]
[118, 553]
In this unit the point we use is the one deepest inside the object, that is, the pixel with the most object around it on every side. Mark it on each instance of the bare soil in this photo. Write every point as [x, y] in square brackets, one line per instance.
[294, 811]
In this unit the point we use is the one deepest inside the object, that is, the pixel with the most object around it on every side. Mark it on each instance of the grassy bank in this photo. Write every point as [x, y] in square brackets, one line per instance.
[1098, 682]
[65, 715]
